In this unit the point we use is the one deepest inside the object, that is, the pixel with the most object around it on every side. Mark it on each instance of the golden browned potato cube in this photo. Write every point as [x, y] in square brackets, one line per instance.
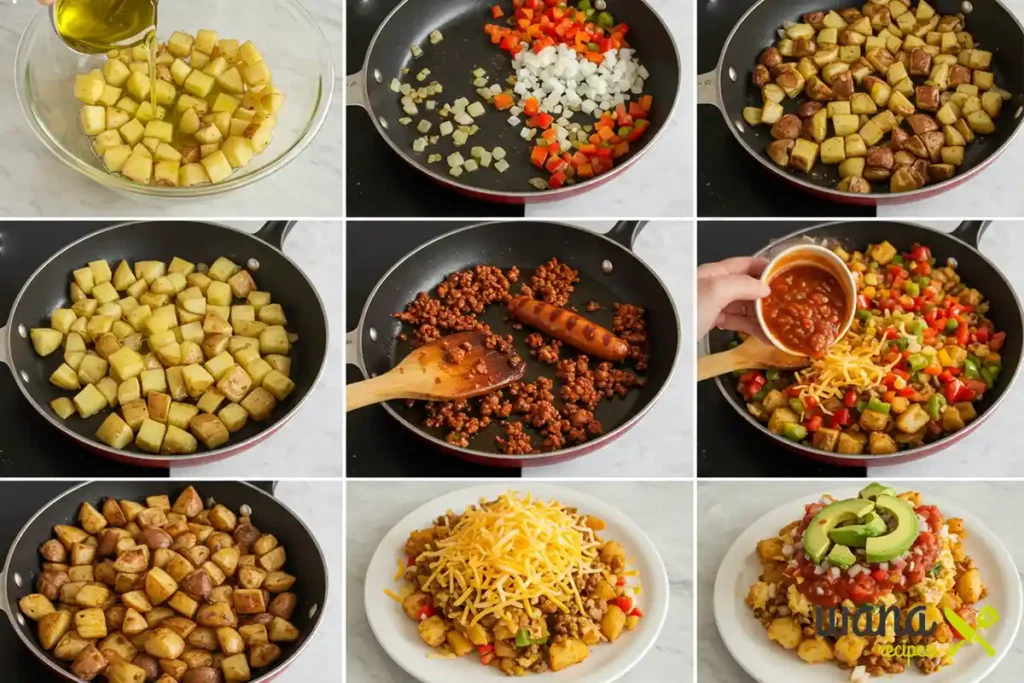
[159, 586]
[64, 408]
[65, 377]
[220, 365]
[35, 606]
[150, 436]
[274, 339]
[180, 414]
[210, 401]
[803, 157]
[209, 430]
[91, 623]
[563, 654]
[259, 404]
[236, 383]
[235, 668]
[234, 417]
[197, 380]
[45, 340]
[218, 614]
[93, 595]
[89, 401]
[115, 432]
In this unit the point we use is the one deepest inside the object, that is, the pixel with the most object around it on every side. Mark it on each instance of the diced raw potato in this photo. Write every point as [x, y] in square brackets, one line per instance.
[138, 85]
[180, 71]
[114, 71]
[165, 92]
[161, 130]
[209, 134]
[228, 48]
[186, 101]
[249, 53]
[192, 174]
[180, 44]
[150, 436]
[165, 173]
[115, 432]
[132, 131]
[199, 84]
[216, 67]
[128, 105]
[89, 87]
[256, 74]
[205, 41]
[231, 81]
[110, 96]
[238, 151]
[217, 166]
[64, 408]
[89, 401]
[93, 119]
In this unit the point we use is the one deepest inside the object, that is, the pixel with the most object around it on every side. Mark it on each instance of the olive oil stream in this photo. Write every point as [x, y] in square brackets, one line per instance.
[99, 26]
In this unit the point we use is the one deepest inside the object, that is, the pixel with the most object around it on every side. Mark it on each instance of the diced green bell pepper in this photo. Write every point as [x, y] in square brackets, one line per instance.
[878, 406]
[759, 396]
[900, 343]
[523, 639]
[583, 5]
[772, 375]
[923, 281]
[798, 406]
[863, 314]
[605, 20]
[934, 406]
[794, 431]
[911, 288]
[951, 325]
[898, 259]
[861, 406]
[625, 130]
[971, 369]
[918, 362]
[990, 373]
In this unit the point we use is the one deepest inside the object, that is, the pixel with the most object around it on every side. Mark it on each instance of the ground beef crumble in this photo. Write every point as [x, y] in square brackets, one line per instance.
[561, 416]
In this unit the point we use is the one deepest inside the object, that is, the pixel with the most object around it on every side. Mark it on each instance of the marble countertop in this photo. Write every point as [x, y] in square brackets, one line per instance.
[310, 444]
[660, 183]
[664, 511]
[726, 509]
[989, 451]
[29, 173]
[662, 443]
[319, 505]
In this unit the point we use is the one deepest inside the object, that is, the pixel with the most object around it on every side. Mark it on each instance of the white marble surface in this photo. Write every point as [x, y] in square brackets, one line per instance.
[991, 450]
[319, 505]
[993, 193]
[309, 445]
[661, 182]
[664, 511]
[36, 184]
[726, 509]
[662, 443]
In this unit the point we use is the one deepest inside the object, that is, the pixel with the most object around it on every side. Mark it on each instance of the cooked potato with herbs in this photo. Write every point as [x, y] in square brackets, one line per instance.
[910, 65]
[199, 117]
[174, 336]
[140, 604]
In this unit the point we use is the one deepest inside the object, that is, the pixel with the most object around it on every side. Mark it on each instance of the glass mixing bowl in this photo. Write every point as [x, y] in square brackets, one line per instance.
[287, 35]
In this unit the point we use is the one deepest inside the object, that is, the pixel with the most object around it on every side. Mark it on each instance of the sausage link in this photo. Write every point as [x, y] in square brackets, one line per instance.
[571, 328]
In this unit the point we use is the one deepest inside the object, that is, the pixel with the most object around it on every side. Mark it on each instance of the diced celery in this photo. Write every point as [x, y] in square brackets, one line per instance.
[423, 126]
[446, 128]
[456, 171]
[502, 166]
[455, 159]
[475, 109]
[498, 153]
[470, 165]
[435, 37]
[396, 85]
[417, 51]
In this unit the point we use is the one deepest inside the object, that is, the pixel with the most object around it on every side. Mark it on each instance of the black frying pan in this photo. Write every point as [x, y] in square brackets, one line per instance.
[465, 47]
[729, 87]
[609, 272]
[305, 558]
[47, 289]
[975, 269]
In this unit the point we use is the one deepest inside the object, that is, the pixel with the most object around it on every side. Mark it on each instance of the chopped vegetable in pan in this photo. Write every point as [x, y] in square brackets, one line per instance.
[920, 354]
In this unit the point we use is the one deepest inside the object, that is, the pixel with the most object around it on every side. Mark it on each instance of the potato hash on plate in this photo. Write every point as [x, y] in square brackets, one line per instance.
[150, 338]
[881, 549]
[869, 71]
[141, 591]
[918, 357]
[527, 586]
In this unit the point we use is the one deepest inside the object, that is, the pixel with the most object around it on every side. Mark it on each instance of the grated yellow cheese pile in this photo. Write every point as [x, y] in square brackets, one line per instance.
[511, 552]
[850, 362]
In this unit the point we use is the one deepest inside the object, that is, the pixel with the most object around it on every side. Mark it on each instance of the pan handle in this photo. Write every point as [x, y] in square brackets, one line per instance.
[275, 232]
[355, 90]
[626, 232]
[707, 89]
[971, 232]
[352, 354]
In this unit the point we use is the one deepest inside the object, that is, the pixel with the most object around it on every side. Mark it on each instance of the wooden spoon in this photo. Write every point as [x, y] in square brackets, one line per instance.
[430, 373]
[754, 354]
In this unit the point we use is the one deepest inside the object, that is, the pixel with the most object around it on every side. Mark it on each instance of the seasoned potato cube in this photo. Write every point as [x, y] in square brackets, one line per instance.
[198, 83]
[45, 340]
[89, 401]
[220, 365]
[66, 378]
[209, 430]
[91, 623]
[115, 432]
[282, 364]
[64, 408]
[233, 416]
[150, 436]
[566, 653]
[135, 413]
[259, 404]
[278, 385]
[210, 401]
[35, 606]
[980, 122]
[235, 383]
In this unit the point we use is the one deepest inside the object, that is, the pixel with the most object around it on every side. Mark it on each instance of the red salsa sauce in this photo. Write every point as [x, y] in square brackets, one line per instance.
[827, 590]
[806, 308]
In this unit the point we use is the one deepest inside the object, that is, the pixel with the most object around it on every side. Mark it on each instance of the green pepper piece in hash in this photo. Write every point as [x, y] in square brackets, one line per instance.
[900, 343]
[760, 395]
[863, 314]
[772, 375]
[862, 405]
[583, 5]
[878, 406]
[522, 638]
[911, 288]
[794, 432]
[605, 20]
[990, 373]
[798, 406]
[917, 328]
[971, 369]
[918, 362]
[934, 406]
[951, 325]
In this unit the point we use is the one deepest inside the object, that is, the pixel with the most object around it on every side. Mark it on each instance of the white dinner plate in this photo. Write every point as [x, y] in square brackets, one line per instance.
[607, 662]
[768, 662]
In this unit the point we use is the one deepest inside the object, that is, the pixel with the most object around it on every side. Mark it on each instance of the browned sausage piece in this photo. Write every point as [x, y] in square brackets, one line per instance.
[899, 136]
[921, 63]
[958, 75]
[842, 85]
[571, 328]
[880, 156]
[927, 98]
[815, 19]
[770, 57]
[779, 150]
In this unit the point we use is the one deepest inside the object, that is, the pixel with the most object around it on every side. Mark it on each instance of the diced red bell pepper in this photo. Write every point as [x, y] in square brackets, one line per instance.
[997, 341]
[496, 12]
[850, 399]
[531, 107]
[503, 101]
[549, 136]
[793, 391]
[982, 335]
[814, 423]
[555, 164]
[621, 581]
[863, 302]
[604, 44]
[645, 102]
[901, 373]
[920, 254]
[952, 390]
[907, 392]
[508, 42]
[639, 126]
[963, 333]
[636, 613]
[976, 386]
[410, 561]
[841, 418]
[625, 604]
[538, 155]
[751, 376]
[557, 180]
[622, 117]
[604, 153]
[425, 612]
[924, 269]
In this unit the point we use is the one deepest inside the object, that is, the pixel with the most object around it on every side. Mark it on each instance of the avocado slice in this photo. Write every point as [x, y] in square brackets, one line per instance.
[898, 541]
[816, 538]
[856, 535]
[841, 556]
[875, 490]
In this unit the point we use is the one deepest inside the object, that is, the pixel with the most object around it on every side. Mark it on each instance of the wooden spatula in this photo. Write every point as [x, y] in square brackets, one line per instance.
[754, 354]
[453, 367]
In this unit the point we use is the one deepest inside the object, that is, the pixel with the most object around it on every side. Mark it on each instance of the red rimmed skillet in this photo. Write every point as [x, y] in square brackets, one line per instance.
[306, 560]
[465, 47]
[609, 273]
[47, 288]
[972, 266]
[729, 88]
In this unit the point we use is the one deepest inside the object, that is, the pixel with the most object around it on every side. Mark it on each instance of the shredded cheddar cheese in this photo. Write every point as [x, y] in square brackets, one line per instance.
[393, 596]
[852, 361]
[510, 553]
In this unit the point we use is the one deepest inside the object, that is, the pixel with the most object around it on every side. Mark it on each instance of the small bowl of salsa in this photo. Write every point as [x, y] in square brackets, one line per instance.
[812, 302]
